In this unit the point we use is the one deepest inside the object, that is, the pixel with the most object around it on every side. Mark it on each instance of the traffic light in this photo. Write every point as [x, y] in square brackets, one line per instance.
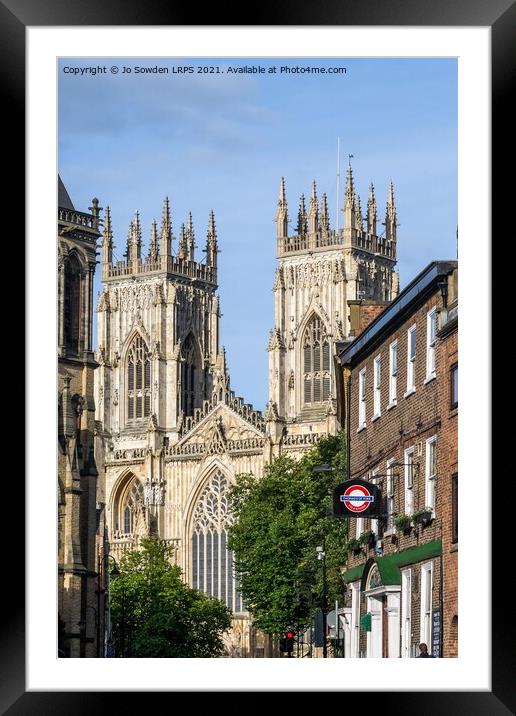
[287, 643]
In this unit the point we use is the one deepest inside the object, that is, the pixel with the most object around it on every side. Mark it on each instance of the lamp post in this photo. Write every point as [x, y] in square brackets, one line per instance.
[321, 555]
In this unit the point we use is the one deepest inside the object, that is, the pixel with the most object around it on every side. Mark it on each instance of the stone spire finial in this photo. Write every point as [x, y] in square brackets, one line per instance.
[107, 243]
[165, 248]
[302, 224]
[324, 218]
[211, 242]
[153, 246]
[390, 215]
[350, 188]
[359, 222]
[190, 236]
[349, 201]
[134, 248]
[371, 211]
[182, 249]
[313, 215]
[282, 212]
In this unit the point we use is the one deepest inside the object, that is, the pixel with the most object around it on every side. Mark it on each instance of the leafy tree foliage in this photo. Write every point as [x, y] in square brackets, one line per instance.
[155, 614]
[281, 519]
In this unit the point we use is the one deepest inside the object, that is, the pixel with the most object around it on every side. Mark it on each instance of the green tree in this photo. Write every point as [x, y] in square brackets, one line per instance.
[155, 614]
[281, 519]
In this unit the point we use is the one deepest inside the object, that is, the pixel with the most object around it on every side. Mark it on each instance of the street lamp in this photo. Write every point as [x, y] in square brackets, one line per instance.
[321, 555]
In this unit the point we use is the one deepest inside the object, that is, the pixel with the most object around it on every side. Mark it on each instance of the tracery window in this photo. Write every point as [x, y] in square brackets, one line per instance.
[72, 304]
[316, 362]
[212, 563]
[188, 375]
[138, 380]
[131, 507]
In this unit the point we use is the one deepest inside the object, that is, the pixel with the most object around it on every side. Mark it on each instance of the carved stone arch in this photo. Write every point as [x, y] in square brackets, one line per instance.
[210, 566]
[73, 298]
[205, 473]
[191, 373]
[135, 389]
[133, 333]
[120, 495]
[314, 348]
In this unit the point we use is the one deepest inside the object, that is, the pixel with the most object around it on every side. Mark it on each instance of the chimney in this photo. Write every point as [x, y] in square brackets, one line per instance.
[362, 313]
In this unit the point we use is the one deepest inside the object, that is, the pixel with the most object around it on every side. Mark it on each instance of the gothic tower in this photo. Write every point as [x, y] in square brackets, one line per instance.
[174, 432]
[320, 271]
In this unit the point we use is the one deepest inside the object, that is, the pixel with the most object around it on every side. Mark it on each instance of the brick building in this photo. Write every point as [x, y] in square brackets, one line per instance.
[395, 380]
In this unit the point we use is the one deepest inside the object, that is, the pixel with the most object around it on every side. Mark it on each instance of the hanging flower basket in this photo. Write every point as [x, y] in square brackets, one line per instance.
[423, 516]
[354, 545]
[403, 522]
[367, 538]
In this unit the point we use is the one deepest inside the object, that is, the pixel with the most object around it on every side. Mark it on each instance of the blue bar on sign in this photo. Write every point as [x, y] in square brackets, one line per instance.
[357, 498]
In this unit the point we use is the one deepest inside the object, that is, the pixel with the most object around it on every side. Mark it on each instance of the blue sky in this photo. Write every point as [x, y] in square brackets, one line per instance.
[222, 142]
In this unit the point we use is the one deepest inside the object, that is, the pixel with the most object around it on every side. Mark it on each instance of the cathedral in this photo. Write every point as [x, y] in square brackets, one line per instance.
[171, 432]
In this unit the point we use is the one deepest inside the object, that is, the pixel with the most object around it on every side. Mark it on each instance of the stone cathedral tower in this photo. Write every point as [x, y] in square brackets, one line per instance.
[174, 435]
[320, 271]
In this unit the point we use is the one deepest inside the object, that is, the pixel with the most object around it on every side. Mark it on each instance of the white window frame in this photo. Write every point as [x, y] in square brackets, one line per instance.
[411, 362]
[377, 387]
[355, 619]
[426, 585]
[430, 479]
[409, 480]
[362, 399]
[431, 317]
[389, 492]
[393, 374]
[359, 527]
[374, 479]
[406, 613]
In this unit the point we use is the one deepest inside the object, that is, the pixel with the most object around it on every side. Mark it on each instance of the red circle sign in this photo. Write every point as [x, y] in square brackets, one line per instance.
[357, 498]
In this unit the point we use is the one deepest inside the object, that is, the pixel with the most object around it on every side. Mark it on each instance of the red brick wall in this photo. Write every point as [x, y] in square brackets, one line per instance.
[447, 465]
[414, 419]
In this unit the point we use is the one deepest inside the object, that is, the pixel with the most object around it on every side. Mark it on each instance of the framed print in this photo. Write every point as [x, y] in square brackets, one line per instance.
[211, 133]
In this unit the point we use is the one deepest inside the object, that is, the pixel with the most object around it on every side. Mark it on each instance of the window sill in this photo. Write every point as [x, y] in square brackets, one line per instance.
[362, 427]
[429, 378]
[409, 392]
[375, 417]
[392, 405]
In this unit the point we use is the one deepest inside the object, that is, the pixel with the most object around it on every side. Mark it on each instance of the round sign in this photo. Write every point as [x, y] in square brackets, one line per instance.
[357, 498]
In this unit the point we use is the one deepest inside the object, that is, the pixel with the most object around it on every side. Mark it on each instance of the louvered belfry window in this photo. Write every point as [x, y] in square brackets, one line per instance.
[316, 363]
[188, 372]
[138, 380]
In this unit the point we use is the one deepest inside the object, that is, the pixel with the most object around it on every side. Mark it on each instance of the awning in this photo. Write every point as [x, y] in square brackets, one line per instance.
[389, 565]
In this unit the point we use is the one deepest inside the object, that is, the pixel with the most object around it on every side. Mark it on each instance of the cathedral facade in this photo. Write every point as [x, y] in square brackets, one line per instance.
[173, 434]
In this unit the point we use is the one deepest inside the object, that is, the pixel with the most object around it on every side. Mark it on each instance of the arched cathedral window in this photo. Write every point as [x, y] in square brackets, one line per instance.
[212, 562]
[316, 363]
[138, 380]
[131, 508]
[188, 376]
[72, 304]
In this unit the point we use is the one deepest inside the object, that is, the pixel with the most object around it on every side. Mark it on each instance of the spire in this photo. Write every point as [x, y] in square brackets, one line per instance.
[190, 237]
[211, 242]
[107, 243]
[282, 212]
[165, 248]
[134, 248]
[359, 221]
[349, 196]
[371, 211]
[182, 249]
[301, 217]
[349, 201]
[390, 215]
[324, 216]
[313, 215]
[153, 246]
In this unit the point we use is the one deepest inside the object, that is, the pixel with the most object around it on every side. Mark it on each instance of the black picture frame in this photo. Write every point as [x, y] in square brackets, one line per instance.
[15, 16]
